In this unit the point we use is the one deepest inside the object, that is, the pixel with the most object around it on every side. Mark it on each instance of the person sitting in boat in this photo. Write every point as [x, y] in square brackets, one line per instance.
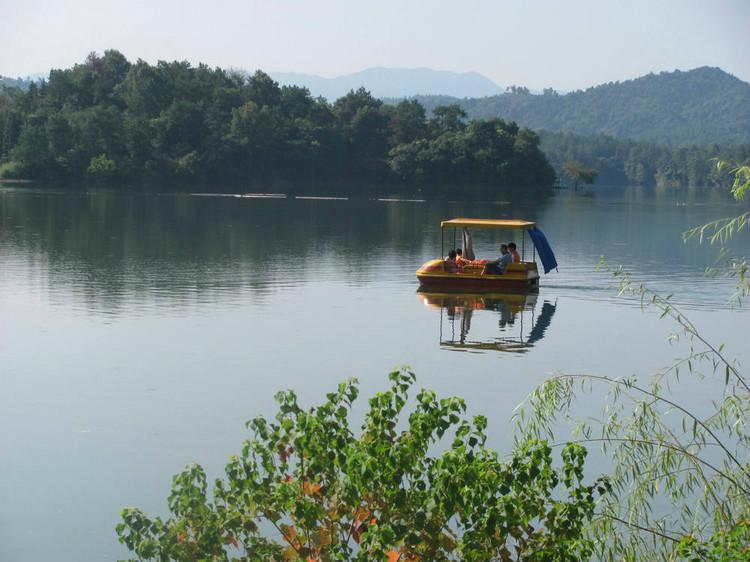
[451, 266]
[498, 266]
[514, 252]
[460, 259]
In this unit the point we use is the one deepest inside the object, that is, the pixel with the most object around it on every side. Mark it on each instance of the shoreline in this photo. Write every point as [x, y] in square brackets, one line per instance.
[17, 181]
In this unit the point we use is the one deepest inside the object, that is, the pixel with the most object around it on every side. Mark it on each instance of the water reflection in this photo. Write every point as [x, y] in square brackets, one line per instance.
[507, 322]
[124, 253]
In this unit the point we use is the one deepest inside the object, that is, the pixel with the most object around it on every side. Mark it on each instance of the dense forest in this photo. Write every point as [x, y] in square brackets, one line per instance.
[628, 162]
[698, 107]
[111, 120]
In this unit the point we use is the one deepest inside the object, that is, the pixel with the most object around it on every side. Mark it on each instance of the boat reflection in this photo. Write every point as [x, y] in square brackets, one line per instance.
[520, 324]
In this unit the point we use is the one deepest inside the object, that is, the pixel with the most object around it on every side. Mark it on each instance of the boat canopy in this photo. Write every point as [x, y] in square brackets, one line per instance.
[488, 223]
[545, 251]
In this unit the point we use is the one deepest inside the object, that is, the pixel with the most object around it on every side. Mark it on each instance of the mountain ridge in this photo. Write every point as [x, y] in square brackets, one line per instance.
[701, 106]
[387, 82]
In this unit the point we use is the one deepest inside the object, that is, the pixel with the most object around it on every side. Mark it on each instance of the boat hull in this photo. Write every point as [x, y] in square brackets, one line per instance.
[519, 277]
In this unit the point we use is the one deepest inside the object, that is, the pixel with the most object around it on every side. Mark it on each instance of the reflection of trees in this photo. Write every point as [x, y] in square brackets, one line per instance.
[107, 246]
[626, 223]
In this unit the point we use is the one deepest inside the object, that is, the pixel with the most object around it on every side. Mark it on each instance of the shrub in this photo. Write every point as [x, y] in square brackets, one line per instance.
[11, 170]
[305, 487]
[102, 167]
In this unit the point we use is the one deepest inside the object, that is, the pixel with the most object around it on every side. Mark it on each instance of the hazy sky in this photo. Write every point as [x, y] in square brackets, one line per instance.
[565, 44]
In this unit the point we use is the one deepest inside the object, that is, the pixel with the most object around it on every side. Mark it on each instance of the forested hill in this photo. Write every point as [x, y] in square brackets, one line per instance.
[698, 107]
[112, 120]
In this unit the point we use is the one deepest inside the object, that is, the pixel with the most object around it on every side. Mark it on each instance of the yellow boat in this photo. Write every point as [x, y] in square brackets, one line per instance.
[523, 275]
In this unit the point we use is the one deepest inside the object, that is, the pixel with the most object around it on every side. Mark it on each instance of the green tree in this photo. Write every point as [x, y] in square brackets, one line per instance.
[489, 152]
[258, 131]
[346, 107]
[102, 167]
[305, 487]
[174, 120]
[297, 102]
[448, 118]
[408, 122]
[367, 134]
[32, 150]
[60, 138]
[578, 173]
[263, 90]
[144, 89]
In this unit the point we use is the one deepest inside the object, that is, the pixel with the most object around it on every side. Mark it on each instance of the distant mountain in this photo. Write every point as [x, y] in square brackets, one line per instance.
[394, 83]
[701, 106]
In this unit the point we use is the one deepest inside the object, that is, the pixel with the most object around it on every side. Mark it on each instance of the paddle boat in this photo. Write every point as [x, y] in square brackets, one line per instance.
[521, 276]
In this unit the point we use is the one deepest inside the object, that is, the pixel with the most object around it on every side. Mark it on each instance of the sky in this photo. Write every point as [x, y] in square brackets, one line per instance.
[564, 44]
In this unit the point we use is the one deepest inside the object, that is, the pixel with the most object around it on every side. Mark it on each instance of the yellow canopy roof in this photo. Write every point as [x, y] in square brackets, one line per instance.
[488, 223]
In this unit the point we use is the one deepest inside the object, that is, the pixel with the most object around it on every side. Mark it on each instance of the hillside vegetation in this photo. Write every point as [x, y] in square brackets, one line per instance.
[629, 162]
[698, 107]
[110, 120]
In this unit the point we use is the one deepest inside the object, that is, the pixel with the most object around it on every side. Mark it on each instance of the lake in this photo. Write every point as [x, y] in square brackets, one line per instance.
[139, 331]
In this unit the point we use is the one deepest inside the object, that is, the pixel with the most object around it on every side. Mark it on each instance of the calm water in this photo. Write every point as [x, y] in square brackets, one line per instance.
[139, 331]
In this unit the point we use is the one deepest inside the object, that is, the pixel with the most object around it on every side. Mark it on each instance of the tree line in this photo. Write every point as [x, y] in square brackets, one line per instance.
[629, 162]
[108, 119]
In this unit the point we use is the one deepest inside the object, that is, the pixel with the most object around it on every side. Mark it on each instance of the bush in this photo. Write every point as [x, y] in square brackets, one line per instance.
[102, 167]
[304, 487]
[11, 170]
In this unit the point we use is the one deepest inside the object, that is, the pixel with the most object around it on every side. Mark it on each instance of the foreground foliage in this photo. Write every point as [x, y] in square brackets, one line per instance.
[305, 487]
[680, 452]
[720, 231]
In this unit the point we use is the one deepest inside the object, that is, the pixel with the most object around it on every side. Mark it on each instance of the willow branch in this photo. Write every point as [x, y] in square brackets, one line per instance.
[666, 445]
[685, 322]
[639, 527]
[655, 396]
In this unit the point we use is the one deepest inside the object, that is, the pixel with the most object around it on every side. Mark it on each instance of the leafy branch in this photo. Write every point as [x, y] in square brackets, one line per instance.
[332, 495]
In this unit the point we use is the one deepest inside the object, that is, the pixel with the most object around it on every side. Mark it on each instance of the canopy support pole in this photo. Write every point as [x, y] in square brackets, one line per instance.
[442, 243]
